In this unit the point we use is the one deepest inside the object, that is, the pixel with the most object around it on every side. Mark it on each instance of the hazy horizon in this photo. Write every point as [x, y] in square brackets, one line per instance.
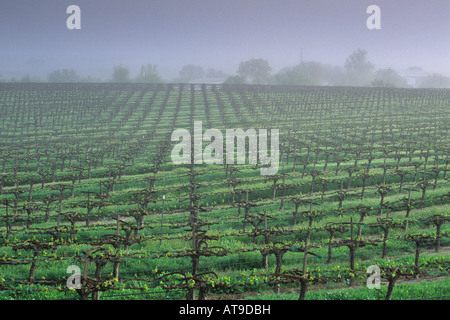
[218, 35]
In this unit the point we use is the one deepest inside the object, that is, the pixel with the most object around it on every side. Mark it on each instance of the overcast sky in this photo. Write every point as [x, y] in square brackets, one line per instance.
[218, 34]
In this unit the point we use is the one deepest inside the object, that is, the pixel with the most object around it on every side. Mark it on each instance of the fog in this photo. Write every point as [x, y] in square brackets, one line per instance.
[218, 34]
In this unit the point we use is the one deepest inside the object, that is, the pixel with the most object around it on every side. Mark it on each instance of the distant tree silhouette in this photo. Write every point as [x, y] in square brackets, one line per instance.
[121, 74]
[257, 71]
[64, 75]
[149, 74]
[358, 68]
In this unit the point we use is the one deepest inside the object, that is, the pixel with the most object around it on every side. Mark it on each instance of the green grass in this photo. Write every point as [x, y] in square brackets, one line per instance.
[433, 290]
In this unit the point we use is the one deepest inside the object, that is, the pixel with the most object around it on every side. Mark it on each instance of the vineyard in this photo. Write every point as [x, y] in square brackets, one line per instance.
[92, 206]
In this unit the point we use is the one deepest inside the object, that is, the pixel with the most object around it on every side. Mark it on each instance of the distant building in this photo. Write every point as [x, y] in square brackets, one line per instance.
[413, 76]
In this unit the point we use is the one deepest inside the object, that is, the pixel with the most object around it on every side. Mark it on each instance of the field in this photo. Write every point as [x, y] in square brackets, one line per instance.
[93, 207]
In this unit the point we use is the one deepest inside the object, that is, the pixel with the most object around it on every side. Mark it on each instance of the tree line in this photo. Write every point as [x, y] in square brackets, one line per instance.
[356, 71]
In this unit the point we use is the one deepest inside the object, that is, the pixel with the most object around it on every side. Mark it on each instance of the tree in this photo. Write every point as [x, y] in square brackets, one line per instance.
[64, 75]
[314, 71]
[388, 78]
[235, 80]
[191, 72]
[213, 73]
[28, 78]
[291, 76]
[435, 80]
[358, 69]
[257, 71]
[121, 74]
[149, 74]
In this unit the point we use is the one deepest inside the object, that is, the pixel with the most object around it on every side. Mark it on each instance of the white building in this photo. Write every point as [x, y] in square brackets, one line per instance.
[413, 76]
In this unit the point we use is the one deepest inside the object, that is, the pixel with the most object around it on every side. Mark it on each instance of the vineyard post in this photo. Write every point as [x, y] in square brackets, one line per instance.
[332, 233]
[305, 258]
[84, 277]
[61, 191]
[352, 248]
[89, 207]
[408, 209]
[265, 261]
[162, 218]
[446, 168]
[418, 242]
[284, 185]
[351, 229]
[385, 155]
